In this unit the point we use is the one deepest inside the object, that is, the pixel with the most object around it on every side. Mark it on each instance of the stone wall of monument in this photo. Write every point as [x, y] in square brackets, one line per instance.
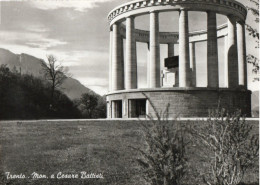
[190, 103]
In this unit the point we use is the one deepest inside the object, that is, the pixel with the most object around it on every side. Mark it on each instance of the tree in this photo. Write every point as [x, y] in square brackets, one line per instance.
[163, 160]
[230, 146]
[24, 96]
[255, 34]
[90, 102]
[101, 108]
[54, 73]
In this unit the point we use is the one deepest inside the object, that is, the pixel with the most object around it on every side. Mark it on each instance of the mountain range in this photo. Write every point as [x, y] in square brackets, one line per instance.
[27, 64]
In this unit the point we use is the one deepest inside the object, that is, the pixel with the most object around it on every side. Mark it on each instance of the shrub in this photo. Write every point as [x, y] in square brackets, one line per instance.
[163, 160]
[229, 145]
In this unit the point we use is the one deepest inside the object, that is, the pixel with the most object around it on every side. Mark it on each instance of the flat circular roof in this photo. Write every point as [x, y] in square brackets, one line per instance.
[142, 7]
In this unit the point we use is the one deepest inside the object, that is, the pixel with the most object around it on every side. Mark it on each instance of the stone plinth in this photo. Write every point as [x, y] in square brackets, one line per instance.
[187, 102]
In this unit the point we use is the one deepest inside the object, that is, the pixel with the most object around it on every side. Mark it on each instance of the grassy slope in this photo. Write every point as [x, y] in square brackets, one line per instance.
[71, 147]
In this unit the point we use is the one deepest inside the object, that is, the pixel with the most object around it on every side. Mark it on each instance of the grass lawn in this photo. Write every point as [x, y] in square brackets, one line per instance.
[72, 147]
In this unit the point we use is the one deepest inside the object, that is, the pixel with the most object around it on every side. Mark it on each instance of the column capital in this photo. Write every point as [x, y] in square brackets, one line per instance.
[154, 11]
[130, 16]
[211, 11]
[240, 21]
[184, 9]
[233, 18]
[116, 23]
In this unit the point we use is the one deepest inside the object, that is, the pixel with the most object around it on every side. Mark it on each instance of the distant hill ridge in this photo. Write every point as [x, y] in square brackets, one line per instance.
[27, 64]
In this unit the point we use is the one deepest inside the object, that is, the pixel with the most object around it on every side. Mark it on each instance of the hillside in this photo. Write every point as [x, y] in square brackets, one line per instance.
[73, 88]
[28, 64]
[27, 97]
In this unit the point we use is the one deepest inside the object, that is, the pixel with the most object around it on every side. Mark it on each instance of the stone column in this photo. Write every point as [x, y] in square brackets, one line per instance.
[232, 54]
[193, 63]
[170, 54]
[226, 62]
[241, 49]
[109, 110]
[148, 65]
[184, 58]
[154, 50]
[110, 60]
[113, 109]
[122, 63]
[170, 49]
[117, 60]
[212, 50]
[131, 63]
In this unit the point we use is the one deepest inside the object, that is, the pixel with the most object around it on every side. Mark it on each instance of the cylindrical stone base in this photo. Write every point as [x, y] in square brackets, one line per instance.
[187, 102]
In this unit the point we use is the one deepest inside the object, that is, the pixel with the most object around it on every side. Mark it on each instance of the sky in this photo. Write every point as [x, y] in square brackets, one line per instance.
[77, 33]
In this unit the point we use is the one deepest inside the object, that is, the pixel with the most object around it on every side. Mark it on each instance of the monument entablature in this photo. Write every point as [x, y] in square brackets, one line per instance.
[177, 82]
[142, 7]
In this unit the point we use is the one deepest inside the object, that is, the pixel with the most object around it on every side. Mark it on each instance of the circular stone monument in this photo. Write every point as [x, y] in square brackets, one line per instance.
[176, 83]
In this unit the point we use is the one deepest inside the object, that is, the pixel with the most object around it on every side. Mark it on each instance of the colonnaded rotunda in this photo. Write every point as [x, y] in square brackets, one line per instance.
[174, 80]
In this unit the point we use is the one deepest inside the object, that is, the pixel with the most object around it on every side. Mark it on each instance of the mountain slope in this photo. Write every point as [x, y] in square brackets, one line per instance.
[73, 88]
[27, 64]
[9, 58]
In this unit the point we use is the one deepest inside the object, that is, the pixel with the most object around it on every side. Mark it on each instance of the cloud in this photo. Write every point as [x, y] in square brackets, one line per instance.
[36, 28]
[45, 43]
[83, 58]
[77, 5]
[31, 39]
